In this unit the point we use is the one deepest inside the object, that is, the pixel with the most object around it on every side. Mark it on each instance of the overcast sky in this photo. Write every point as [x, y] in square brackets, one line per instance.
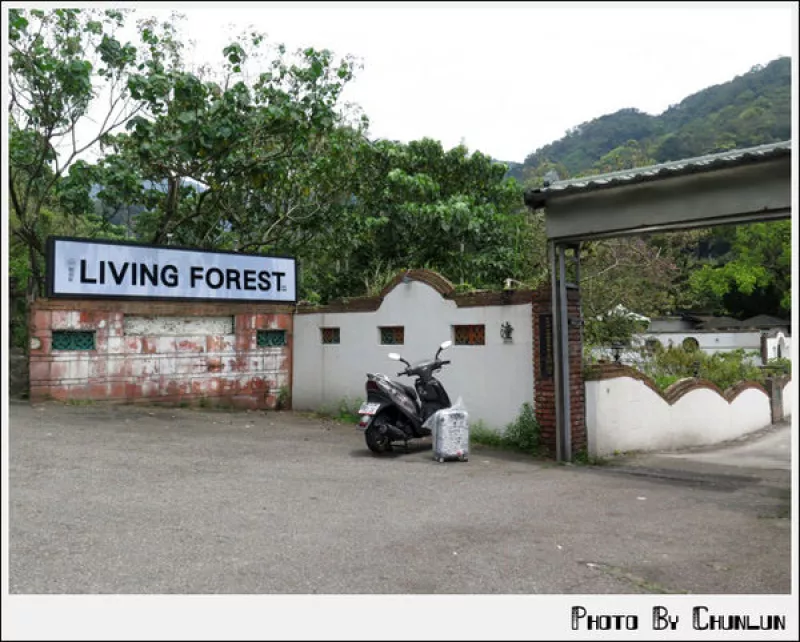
[507, 78]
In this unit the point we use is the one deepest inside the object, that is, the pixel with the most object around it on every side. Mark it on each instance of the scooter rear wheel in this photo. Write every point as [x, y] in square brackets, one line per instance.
[377, 441]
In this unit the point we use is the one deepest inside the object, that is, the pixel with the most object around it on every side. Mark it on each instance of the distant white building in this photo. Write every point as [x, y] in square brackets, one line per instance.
[765, 335]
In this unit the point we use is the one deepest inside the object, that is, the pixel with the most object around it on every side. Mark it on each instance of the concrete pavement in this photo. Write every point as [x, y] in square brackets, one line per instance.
[768, 450]
[121, 499]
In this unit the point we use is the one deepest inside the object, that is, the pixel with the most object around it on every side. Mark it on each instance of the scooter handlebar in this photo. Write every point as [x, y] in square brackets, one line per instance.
[408, 371]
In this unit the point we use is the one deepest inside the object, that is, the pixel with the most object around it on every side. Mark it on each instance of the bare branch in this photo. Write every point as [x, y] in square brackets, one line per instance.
[267, 238]
[74, 142]
[588, 278]
[195, 213]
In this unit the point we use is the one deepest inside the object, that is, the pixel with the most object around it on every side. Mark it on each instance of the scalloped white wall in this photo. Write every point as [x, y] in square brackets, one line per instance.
[624, 414]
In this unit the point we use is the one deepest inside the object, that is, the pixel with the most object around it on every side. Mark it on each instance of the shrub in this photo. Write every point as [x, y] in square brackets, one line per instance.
[282, 402]
[722, 368]
[726, 369]
[779, 366]
[348, 411]
[522, 435]
[666, 380]
[524, 432]
[480, 433]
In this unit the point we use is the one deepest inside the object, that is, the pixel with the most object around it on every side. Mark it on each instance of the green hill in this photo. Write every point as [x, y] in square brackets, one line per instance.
[752, 109]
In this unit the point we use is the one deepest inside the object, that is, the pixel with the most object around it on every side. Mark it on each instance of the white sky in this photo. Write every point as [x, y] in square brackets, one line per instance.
[507, 78]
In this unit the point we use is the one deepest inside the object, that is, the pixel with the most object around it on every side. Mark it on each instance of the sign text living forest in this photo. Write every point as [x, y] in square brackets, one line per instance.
[91, 269]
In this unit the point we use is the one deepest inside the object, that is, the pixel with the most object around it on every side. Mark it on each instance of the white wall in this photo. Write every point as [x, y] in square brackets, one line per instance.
[624, 414]
[494, 380]
[710, 342]
[782, 341]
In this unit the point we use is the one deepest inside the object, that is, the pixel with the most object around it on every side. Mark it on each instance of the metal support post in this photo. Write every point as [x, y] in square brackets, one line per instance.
[563, 330]
[556, 346]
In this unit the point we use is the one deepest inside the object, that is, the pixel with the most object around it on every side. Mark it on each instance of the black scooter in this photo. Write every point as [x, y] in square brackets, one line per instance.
[396, 412]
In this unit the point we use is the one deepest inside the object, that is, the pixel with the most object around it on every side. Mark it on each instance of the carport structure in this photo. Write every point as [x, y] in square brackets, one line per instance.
[737, 186]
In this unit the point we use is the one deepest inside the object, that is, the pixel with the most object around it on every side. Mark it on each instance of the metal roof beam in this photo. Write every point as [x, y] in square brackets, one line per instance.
[753, 192]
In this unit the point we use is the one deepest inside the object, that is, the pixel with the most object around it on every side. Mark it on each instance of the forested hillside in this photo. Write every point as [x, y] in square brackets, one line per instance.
[752, 109]
[737, 270]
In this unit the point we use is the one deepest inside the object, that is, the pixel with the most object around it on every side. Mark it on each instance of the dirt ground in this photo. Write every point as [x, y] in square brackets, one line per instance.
[130, 499]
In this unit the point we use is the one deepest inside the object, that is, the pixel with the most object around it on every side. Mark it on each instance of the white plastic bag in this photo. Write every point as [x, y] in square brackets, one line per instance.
[450, 431]
[432, 421]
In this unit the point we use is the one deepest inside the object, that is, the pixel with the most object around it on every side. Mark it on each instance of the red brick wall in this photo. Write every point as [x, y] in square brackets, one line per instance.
[544, 387]
[170, 369]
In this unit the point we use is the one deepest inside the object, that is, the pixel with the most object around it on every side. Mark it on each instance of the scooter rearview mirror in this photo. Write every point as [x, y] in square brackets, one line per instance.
[394, 356]
[445, 345]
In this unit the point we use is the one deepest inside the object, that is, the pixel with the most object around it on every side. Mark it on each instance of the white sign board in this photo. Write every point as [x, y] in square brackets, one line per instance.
[91, 269]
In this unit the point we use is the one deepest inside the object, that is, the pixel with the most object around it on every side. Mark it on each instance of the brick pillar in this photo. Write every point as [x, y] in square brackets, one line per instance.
[774, 386]
[544, 370]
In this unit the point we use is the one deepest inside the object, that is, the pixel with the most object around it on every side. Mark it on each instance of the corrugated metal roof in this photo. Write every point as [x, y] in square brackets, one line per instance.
[732, 158]
[707, 323]
[764, 320]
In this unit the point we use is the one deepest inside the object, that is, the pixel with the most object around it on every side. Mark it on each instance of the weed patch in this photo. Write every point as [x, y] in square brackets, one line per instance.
[521, 435]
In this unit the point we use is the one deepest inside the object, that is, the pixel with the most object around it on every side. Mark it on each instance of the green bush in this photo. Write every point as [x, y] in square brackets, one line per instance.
[666, 380]
[522, 435]
[481, 434]
[726, 369]
[348, 411]
[722, 368]
[779, 366]
[282, 402]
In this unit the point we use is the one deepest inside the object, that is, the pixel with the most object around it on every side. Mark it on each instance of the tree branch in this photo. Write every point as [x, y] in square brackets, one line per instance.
[194, 214]
[15, 200]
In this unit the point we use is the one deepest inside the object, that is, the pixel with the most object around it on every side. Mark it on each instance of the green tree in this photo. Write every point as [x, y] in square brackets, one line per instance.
[754, 276]
[628, 156]
[60, 61]
[417, 205]
[628, 272]
[242, 165]
[22, 266]
[532, 177]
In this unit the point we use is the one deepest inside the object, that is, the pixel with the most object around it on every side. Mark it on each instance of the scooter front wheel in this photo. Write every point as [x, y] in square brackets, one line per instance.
[377, 441]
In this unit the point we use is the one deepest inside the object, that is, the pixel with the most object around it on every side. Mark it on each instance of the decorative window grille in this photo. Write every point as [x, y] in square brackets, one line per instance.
[469, 335]
[271, 338]
[330, 336]
[392, 335]
[73, 340]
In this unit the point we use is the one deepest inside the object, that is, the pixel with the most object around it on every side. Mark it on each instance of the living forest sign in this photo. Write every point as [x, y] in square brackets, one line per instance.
[82, 268]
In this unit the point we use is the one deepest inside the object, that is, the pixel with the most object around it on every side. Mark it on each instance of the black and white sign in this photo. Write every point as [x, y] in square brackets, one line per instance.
[91, 269]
